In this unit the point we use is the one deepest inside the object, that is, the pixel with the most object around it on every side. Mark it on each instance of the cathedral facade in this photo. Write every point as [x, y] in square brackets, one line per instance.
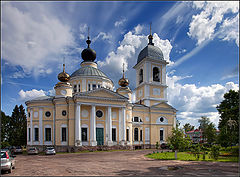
[87, 112]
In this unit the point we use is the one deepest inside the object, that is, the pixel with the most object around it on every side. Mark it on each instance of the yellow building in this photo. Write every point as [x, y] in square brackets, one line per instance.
[86, 112]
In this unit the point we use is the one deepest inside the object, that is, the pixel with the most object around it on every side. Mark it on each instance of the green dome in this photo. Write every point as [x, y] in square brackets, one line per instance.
[88, 71]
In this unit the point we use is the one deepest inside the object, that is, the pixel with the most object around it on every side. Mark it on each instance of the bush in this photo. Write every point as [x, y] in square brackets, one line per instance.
[214, 152]
[157, 145]
[4, 144]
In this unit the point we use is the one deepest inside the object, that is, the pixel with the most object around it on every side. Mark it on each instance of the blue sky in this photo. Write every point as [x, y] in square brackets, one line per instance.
[199, 39]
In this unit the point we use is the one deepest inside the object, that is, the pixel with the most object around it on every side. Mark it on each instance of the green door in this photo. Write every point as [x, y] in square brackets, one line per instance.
[99, 136]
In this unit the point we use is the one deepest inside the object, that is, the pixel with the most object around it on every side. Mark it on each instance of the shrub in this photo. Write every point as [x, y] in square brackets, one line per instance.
[214, 153]
[157, 145]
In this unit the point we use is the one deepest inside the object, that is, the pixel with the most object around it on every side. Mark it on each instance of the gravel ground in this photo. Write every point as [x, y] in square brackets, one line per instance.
[130, 163]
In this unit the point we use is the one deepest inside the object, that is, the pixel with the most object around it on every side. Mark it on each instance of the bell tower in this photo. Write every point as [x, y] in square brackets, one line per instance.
[150, 69]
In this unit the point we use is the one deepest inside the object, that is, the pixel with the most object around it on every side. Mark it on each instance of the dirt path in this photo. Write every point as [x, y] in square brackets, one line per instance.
[113, 164]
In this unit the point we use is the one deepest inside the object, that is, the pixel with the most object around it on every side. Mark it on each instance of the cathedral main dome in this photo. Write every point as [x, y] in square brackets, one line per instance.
[89, 71]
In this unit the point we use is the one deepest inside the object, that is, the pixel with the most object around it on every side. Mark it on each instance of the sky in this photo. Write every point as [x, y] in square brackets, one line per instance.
[200, 40]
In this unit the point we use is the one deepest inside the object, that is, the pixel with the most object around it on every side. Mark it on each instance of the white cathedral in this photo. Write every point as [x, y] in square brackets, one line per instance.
[86, 112]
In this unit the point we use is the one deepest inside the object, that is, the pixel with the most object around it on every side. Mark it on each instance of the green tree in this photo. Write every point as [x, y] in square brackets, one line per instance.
[211, 133]
[204, 122]
[178, 141]
[18, 127]
[4, 129]
[187, 127]
[229, 118]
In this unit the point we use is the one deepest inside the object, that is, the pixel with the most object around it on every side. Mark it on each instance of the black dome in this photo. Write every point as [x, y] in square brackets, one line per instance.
[88, 54]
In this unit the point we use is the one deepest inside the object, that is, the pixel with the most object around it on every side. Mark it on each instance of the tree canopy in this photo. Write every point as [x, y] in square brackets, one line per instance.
[187, 127]
[14, 127]
[229, 118]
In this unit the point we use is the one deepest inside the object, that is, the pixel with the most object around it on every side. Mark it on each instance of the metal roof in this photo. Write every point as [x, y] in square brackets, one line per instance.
[89, 71]
[152, 52]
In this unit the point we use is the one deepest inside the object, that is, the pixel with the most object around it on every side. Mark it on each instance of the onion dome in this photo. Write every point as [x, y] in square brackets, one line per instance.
[63, 76]
[123, 82]
[88, 54]
[150, 51]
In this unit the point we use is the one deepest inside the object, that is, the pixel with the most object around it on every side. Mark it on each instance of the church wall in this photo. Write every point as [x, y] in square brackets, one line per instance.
[156, 92]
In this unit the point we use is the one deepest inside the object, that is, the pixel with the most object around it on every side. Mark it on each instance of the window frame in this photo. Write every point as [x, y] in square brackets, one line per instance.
[46, 138]
[135, 134]
[82, 136]
[36, 134]
[114, 134]
[62, 135]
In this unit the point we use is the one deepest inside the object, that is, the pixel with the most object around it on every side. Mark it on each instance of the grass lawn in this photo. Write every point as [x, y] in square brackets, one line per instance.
[186, 156]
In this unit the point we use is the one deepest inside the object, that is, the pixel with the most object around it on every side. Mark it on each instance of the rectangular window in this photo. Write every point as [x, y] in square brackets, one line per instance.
[127, 134]
[47, 134]
[75, 89]
[29, 134]
[114, 134]
[84, 134]
[79, 87]
[64, 134]
[89, 88]
[35, 134]
[135, 119]
[161, 135]
[94, 86]
[135, 134]
[140, 135]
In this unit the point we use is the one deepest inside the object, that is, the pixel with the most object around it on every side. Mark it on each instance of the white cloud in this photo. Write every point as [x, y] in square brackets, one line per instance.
[120, 22]
[230, 30]
[138, 29]
[204, 25]
[31, 94]
[103, 36]
[192, 102]
[32, 42]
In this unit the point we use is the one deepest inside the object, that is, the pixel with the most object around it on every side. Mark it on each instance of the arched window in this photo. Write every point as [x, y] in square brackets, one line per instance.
[135, 134]
[156, 74]
[140, 76]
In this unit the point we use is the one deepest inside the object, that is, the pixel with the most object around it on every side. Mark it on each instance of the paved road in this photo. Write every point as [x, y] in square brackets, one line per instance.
[113, 164]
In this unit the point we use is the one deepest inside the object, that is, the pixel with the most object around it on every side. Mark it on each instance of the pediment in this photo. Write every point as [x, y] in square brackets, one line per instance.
[102, 93]
[163, 105]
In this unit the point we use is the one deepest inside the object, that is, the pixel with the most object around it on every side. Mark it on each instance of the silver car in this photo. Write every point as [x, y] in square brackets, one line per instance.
[7, 160]
[32, 150]
[50, 151]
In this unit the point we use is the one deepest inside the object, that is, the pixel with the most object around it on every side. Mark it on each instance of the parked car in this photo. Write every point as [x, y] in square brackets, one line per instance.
[18, 150]
[50, 151]
[32, 150]
[164, 146]
[7, 160]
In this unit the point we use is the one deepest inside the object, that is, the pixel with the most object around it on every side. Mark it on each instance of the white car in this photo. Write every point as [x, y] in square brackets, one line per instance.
[50, 151]
[7, 160]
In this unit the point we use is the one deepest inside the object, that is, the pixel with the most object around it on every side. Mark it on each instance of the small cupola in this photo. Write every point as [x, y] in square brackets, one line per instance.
[88, 54]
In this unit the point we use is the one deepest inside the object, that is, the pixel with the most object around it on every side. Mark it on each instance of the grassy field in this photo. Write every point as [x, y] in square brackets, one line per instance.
[187, 156]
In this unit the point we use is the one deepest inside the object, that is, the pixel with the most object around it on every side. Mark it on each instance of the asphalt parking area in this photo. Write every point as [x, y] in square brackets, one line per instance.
[130, 163]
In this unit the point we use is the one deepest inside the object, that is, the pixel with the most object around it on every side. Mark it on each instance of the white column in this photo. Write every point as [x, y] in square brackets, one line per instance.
[123, 125]
[106, 125]
[120, 125]
[109, 117]
[91, 86]
[40, 126]
[78, 125]
[93, 141]
[31, 126]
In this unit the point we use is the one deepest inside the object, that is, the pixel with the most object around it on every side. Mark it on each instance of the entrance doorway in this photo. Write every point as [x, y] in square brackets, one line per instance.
[99, 136]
